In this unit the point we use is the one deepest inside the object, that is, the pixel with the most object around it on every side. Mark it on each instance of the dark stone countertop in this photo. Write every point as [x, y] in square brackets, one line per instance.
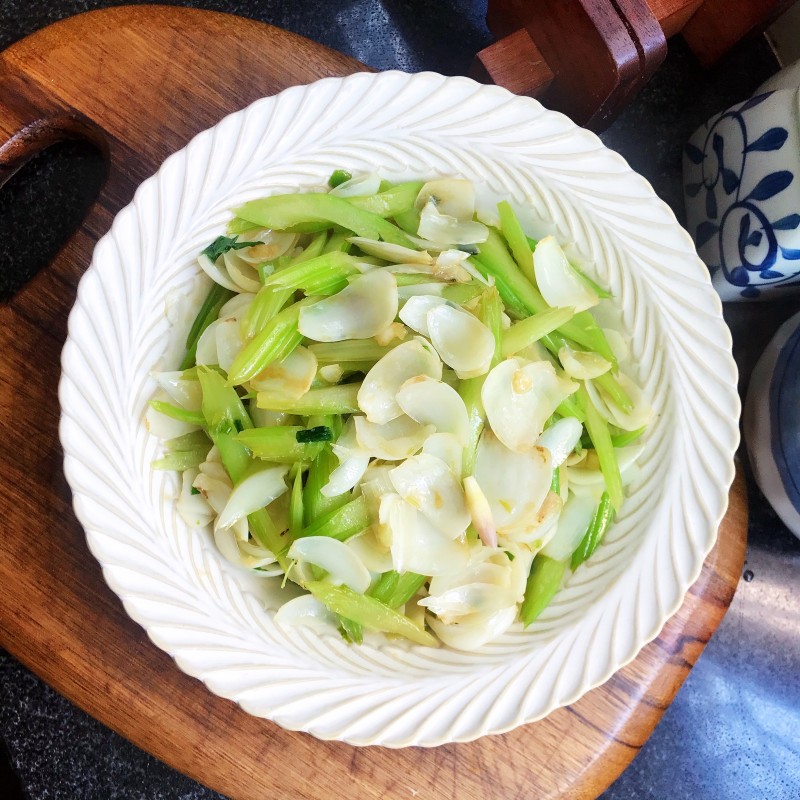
[732, 732]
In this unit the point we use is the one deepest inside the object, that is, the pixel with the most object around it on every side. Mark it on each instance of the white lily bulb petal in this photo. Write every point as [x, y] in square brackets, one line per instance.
[361, 310]
[372, 552]
[586, 477]
[453, 196]
[290, 378]
[272, 244]
[216, 492]
[346, 475]
[229, 341]
[185, 393]
[331, 373]
[242, 273]
[228, 544]
[560, 439]
[582, 365]
[480, 511]
[448, 230]
[347, 443]
[515, 484]
[395, 253]
[519, 397]
[414, 312]
[426, 483]
[193, 509]
[559, 283]
[237, 306]
[161, 425]
[217, 273]
[638, 417]
[253, 492]
[461, 339]
[573, 523]
[463, 600]
[394, 440]
[536, 531]
[474, 631]
[264, 418]
[618, 344]
[417, 544]
[431, 402]
[206, 352]
[340, 562]
[377, 397]
[359, 186]
[447, 447]
[308, 612]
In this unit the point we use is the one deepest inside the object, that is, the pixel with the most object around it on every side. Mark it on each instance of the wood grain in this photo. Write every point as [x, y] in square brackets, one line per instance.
[142, 81]
[600, 53]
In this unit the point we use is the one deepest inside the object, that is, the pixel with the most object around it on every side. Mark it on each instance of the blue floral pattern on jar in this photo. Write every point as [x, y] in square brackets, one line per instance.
[741, 196]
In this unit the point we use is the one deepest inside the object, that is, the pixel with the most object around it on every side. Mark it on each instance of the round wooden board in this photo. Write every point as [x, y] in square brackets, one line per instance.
[140, 82]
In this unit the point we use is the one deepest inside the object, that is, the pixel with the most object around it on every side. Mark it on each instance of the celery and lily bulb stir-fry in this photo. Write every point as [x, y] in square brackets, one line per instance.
[402, 406]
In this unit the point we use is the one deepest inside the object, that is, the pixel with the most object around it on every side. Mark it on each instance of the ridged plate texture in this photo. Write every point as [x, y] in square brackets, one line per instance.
[216, 622]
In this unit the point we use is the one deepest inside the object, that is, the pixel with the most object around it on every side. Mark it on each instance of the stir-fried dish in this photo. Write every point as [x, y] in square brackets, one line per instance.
[402, 406]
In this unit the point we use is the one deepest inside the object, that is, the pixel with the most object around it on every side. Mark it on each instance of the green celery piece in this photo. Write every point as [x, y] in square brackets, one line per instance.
[188, 441]
[222, 408]
[351, 630]
[338, 177]
[603, 517]
[313, 249]
[569, 407]
[611, 386]
[398, 199]
[235, 456]
[325, 274]
[369, 612]
[594, 286]
[178, 412]
[316, 504]
[543, 582]
[470, 392]
[279, 443]
[338, 242]
[527, 331]
[263, 530]
[491, 311]
[532, 242]
[462, 292]
[517, 241]
[624, 439]
[238, 226]
[289, 210]
[267, 303]
[181, 460]
[341, 399]
[296, 505]
[272, 343]
[555, 483]
[408, 221]
[209, 311]
[597, 428]
[341, 523]
[517, 291]
[395, 589]
[415, 278]
[350, 350]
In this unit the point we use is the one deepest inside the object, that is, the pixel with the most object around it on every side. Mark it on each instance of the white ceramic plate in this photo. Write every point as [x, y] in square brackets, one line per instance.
[216, 621]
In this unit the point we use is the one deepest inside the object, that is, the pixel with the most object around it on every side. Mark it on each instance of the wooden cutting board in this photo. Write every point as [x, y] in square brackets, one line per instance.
[140, 82]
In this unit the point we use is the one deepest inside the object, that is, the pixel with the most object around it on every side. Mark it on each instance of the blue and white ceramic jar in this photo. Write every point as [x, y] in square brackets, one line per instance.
[772, 423]
[742, 187]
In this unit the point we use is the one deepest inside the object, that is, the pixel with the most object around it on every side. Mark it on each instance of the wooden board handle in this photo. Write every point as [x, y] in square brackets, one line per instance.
[31, 121]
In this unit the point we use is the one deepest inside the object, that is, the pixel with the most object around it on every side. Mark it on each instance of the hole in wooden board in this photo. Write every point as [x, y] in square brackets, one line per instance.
[41, 205]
